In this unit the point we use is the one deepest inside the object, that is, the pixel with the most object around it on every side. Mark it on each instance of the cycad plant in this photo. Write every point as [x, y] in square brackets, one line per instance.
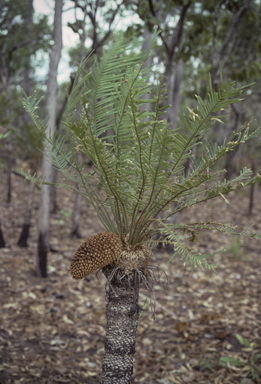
[139, 173]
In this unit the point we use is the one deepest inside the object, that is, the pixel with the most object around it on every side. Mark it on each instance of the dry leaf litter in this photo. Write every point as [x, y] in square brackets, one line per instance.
[53, 330]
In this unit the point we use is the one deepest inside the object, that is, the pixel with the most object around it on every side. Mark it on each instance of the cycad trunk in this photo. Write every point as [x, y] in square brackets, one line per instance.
[122, 312]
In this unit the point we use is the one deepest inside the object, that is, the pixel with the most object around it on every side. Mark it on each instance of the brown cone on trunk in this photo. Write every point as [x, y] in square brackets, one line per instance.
[96, 252]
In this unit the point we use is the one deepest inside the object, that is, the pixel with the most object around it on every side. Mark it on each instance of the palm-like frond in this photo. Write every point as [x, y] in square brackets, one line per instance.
[140, 171]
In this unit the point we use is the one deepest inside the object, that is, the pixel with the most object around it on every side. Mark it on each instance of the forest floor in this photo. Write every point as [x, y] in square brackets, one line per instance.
[52, 330]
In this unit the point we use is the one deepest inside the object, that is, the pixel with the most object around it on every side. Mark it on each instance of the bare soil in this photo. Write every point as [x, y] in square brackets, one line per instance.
[52, 330]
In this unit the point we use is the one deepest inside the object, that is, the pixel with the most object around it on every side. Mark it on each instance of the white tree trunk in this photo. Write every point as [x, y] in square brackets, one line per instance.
[175, 93]
[77, 197]
[146, 44]
[44, 211]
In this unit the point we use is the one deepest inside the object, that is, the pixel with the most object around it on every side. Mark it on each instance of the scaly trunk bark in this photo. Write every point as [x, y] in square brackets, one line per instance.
[44, 211]
[122, 312]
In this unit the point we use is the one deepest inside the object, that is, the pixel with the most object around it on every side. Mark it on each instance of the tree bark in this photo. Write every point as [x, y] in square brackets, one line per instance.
[173, 111]
[22, 242]
[251, 199]
[230, 155]
[27, 82]
[2, 241]
[9, 178]
[44, 211]
[228, 43]
[54, 204]
[146, 44]
[77, 197]
[122, 312]
[77, 209]
[251, 195]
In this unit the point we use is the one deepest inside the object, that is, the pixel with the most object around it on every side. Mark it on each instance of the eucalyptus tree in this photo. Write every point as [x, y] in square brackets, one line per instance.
[171, 19]
[44, 210]
[98, 17]
[140, 172]
[94, 20]
[21, 38]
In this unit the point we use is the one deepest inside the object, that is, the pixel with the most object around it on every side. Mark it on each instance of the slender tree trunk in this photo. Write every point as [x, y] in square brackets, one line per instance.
[230, 155]
[44, 211]
[9, 179]
[22, 242]
[27, 82]
[251, 195]
[146, 44]
[76, 234]
[222, 55]
[229, 164]
[54, 206]
[251, 199]
[77, 209]
[174, 109]
[2, 241]
[122, 312]
[77, 197]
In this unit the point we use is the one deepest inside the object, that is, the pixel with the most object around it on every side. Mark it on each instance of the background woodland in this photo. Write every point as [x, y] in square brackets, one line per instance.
[195, 329]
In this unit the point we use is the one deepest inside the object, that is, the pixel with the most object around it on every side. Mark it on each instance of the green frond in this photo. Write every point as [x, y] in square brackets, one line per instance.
[186, 252]
[138, 160]
[4, 135]
[30, 104]
[34, 178]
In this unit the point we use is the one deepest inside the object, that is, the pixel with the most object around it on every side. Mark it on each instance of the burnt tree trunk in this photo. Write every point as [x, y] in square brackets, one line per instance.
[2, 241]
[122, 312]
[22, 242]
[251, 199]
[76, 234]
